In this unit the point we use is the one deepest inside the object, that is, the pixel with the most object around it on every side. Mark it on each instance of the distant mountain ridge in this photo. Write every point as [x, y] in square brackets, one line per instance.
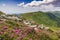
[56, 13]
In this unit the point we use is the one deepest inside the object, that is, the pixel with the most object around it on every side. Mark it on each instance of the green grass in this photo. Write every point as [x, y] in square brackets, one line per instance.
[48, 19]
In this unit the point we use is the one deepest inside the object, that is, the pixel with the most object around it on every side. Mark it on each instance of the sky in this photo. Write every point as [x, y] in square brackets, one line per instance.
[23, 6]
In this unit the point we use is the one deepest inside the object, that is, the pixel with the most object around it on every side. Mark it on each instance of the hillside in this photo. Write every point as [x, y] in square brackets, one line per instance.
[14, 27]
[56, 13]
[47, 18]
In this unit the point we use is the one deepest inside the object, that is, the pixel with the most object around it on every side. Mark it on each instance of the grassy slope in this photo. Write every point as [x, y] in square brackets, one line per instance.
[41, 19]
[47, 19]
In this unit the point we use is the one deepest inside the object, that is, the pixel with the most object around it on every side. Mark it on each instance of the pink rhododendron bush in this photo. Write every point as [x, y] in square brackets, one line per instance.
[14, 30]
[23, 33]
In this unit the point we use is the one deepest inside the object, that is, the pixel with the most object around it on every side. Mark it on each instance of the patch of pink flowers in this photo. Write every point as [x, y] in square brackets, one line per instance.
[1, 32]
[5, 28]
[14, 32]
[18, 31]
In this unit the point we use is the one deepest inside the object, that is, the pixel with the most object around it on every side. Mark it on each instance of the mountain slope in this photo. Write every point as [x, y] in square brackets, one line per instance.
[15, 30]
[56, 13]
[47, 19]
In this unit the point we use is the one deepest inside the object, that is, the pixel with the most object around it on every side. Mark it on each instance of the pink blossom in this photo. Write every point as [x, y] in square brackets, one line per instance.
[20, 36]
[1, 32]
[18, 31]
[5, 27]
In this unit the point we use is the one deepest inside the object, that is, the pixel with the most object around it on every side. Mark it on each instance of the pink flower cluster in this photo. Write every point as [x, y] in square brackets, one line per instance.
[1, 32]
[14, 32]
[18, 32]
[3, 29]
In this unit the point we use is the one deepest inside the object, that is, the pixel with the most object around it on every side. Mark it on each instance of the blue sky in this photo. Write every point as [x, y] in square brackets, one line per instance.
[14, 2]
[17, 0]
[22, 6]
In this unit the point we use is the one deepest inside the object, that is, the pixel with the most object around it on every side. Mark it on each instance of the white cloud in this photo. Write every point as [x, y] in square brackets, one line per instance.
[49, 7]
[21, 4]
[48, 1]
[35, 3]
[42, 5]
